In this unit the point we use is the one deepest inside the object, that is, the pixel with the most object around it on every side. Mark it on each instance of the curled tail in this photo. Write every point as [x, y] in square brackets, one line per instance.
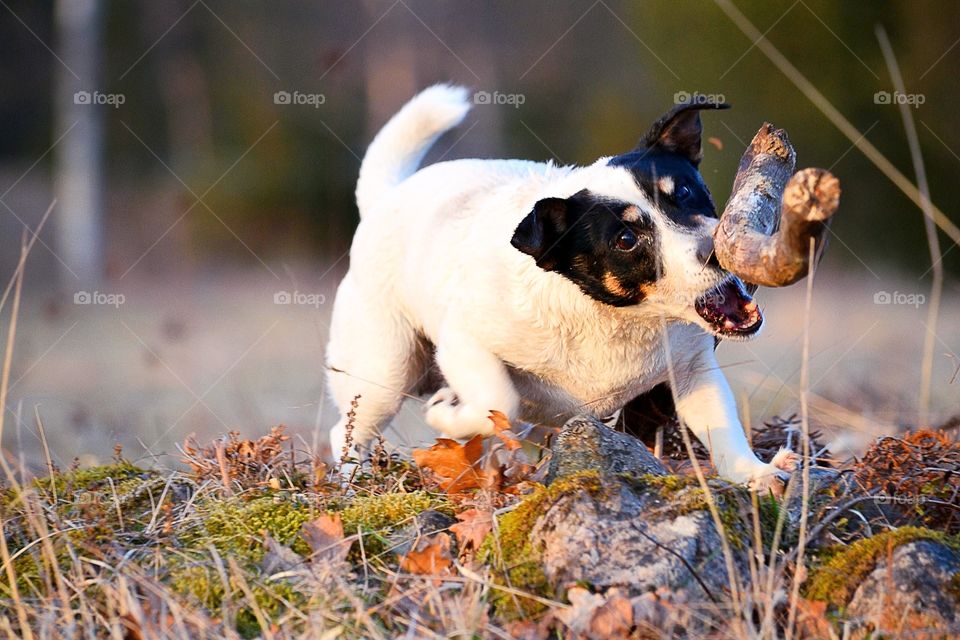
[398, 149]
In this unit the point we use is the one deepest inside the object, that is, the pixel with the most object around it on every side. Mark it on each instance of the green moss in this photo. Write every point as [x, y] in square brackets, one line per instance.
[68, 484]
[204, 583]
[515, 558]
[378, 512]
[376, 515]
[683, 495]
[845, 568]
[92, 507]
[236, 526]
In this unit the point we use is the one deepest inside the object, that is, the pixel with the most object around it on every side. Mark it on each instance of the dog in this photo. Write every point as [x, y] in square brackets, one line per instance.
[537, 290]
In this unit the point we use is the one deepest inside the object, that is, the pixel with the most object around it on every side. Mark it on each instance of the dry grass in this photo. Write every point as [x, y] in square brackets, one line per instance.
[223, 550]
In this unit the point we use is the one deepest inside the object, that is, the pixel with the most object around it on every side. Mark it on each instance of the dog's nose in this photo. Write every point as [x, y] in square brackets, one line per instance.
[705, 252]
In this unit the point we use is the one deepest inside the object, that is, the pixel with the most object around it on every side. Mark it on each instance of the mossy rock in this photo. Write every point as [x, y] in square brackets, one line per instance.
[843, 569]
[515, 558]
[683, 495]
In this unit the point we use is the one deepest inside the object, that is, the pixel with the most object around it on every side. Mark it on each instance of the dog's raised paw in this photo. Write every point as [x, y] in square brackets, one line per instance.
[786, 460]
[445, 396]
[772, 478]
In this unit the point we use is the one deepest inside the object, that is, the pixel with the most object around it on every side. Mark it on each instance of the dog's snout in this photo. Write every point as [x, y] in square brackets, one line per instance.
[705, 253]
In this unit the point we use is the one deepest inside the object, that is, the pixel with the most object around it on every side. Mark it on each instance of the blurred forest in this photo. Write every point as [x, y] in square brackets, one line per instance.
[204, 155]
[198, 81]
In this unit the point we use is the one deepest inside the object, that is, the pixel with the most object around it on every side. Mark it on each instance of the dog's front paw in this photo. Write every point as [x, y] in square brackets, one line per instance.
[786, 460]
[444, 396]
[771, 480]
[455, 419]
[773, 477]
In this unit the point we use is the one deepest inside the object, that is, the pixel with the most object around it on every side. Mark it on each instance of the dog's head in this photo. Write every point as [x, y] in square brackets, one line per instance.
[639, 233]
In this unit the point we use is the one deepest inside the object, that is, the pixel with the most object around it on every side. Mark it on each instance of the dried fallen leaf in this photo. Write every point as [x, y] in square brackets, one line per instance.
[507, 455]
[430, 556]
[279, 558]
[457, 465]
[614, 619]
[579, 614]
[473, 527]
[324, 536]
[812, 621]
[717, 142]
[531, 629]
[502, 429]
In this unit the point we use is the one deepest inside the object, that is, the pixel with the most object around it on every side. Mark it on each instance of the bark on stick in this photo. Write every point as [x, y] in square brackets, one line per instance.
[765, 230]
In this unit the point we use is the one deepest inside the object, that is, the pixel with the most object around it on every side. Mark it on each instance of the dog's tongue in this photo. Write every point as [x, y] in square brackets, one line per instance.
[729, 309]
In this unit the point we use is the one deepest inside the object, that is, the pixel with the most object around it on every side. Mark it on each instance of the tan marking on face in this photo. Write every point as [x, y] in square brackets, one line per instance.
[666, 185]
[613, 285]
[631, 214]
[647, 289]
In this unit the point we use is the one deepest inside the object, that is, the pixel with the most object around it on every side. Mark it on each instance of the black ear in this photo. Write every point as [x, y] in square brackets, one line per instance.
[679, 130]
[539, 231]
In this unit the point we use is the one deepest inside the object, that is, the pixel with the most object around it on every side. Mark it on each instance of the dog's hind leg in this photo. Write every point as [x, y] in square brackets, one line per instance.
[371, 354]
[478, 383]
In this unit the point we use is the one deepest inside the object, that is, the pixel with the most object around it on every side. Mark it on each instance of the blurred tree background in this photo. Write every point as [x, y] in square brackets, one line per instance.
[276, 181]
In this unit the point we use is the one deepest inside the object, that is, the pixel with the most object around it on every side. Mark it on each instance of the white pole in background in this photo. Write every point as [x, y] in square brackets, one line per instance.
[78, 164]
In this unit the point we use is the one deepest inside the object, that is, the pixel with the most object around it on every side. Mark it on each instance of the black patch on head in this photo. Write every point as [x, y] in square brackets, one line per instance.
[671, 148]
[592, 242]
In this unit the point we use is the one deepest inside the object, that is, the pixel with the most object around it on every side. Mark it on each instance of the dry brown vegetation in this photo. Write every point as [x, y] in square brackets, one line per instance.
[260, 538]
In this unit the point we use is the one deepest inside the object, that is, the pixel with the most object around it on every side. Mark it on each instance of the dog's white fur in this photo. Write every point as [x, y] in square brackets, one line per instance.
[431, 262]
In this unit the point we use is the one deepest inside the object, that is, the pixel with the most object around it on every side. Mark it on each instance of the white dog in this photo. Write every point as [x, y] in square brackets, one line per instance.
[536, 290]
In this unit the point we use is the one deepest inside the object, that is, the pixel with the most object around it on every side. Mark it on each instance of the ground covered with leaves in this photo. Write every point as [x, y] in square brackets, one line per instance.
[253, 538]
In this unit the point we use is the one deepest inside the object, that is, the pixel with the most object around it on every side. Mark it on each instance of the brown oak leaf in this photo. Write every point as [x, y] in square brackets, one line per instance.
[473, 527]
[324, 536]
[431, 556]
[458, 466]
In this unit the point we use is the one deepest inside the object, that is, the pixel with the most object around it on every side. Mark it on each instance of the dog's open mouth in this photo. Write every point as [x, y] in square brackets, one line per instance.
[729, 309]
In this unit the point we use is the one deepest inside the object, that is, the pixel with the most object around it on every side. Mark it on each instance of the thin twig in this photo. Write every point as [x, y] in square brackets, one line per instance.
[805, 461]
[933, 242]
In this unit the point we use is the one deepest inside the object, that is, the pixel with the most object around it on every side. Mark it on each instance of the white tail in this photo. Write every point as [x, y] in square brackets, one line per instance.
[397, 150]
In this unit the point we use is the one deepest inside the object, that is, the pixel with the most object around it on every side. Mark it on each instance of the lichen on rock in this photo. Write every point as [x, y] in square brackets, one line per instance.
[516, 557]
[843, 570]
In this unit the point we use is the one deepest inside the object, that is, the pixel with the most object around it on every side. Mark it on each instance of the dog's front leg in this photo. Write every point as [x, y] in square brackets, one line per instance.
[478, 382]
[706, 405]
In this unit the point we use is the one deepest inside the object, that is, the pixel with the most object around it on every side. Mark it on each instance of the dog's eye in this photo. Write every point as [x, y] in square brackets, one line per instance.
[626, 241]
[683, 194]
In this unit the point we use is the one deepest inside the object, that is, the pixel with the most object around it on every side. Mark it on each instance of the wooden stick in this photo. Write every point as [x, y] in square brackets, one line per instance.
[765, 230]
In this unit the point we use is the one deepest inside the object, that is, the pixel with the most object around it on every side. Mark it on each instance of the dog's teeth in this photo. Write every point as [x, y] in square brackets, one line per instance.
[729, 324]
[750, 307]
